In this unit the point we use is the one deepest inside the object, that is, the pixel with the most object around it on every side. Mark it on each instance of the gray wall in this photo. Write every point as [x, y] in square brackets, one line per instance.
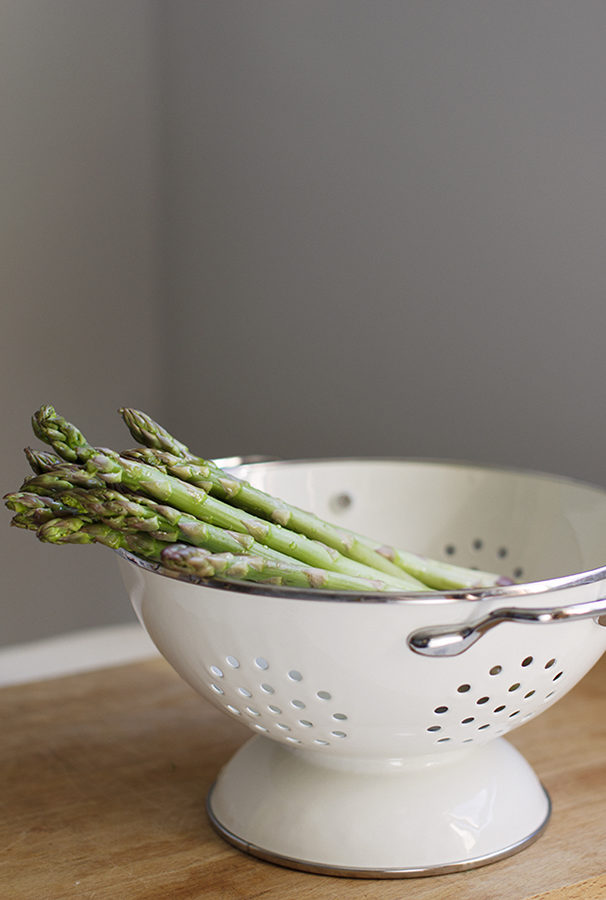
[80, 315]
[301, 228]
[386, 228]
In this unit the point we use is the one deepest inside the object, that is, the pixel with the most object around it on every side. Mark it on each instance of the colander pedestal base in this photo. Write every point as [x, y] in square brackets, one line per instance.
[392, 818]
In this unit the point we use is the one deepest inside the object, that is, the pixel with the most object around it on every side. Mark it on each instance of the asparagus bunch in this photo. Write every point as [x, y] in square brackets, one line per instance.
[123, 523]
[86, 495]
[163, 503]
[134, 475]
[173, 457]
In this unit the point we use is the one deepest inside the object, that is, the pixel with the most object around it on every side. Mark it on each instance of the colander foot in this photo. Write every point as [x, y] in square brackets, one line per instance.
[392, 821]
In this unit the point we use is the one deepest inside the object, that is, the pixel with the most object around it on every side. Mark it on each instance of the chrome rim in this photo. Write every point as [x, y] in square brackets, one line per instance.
[359, 872]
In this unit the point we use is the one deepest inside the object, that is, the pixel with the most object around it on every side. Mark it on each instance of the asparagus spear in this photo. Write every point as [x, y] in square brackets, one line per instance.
[27, 519]
[78, 530]
[23, 502]
[32, 519]
[208, 476]
[146, 431]
[71, 444]
[75, 529]
[196, 561]
[33, 510]
[136, 513]
[174, 458]
[41, 461]
[62, 478]
[193, 561]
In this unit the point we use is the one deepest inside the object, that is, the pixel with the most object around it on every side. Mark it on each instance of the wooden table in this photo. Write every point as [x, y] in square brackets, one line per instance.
[104, 777]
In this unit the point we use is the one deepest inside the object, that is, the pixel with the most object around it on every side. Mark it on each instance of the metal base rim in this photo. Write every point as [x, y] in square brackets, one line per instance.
[315, 868]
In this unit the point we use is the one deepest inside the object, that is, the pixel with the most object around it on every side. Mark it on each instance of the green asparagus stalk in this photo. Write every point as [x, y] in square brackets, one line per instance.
[136, 513]
[174, 458]
[29, 520]
[32, 519]
[114, 469]
[153, 435]
[23, 502]
[193, 561]
[63, 478]
[183, 464]
[33, 510]
[240, 494]
[78, 530]
[41, 460]
[197, 561]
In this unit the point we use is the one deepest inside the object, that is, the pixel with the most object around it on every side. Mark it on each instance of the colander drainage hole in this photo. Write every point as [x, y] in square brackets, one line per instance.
[496, 670]
[294, 675]
[324, 695]
[341, 502]
[267, 688]
[498, 709]
[482, 727]
[298, 704]
[215, 687]
[482, 700]
[550, 663]
[244, 691]
[275, 710]
[559, 675]
[463, 688]
[441, 709]
[435, 728]
[513, 687]
[216, 671]
[261, 663]
[527, 661]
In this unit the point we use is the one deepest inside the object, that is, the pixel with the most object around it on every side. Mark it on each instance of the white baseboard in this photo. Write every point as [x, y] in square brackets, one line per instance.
[80, 651]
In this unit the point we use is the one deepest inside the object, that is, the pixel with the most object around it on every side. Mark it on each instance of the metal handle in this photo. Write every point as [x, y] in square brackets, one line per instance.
[448, 640]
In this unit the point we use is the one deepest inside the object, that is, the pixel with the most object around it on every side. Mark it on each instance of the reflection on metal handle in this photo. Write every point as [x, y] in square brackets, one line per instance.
[450, 640]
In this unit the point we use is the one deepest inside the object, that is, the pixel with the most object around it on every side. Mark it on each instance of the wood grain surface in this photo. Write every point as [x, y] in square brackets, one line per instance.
[104, 778]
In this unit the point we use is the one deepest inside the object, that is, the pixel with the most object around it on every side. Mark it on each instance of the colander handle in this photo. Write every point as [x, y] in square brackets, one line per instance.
[448, 640]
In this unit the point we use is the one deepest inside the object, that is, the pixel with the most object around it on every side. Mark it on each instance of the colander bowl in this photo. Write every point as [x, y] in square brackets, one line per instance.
[379, 718]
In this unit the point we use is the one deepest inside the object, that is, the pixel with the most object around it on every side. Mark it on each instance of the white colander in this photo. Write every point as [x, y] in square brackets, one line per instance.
[379, 718]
